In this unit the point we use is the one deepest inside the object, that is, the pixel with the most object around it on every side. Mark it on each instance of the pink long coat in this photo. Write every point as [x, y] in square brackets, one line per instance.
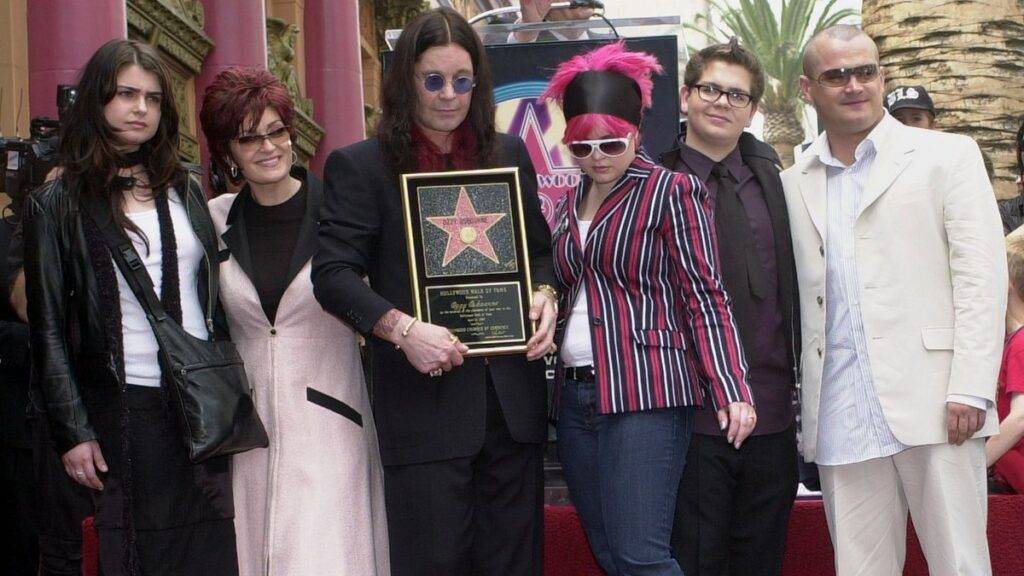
[313, 502]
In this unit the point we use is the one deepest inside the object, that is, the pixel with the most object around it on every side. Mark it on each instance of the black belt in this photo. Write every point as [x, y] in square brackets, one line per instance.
[579, 373]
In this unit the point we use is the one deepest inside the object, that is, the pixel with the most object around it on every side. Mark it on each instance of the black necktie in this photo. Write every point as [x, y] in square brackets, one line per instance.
[732, 226]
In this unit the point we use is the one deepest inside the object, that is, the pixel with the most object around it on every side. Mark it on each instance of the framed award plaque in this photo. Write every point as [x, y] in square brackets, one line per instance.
[468, 258]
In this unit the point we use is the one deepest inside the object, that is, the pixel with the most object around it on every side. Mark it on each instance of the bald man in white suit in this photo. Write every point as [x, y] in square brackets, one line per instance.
[903, 284]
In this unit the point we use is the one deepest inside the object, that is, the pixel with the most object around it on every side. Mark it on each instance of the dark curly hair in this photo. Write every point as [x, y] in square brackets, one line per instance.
[438, 27]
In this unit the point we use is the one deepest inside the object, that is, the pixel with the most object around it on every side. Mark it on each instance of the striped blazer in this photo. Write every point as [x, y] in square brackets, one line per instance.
[660, 322]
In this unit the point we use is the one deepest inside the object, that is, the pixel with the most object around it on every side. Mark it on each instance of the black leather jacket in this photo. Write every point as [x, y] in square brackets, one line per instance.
[71, 365]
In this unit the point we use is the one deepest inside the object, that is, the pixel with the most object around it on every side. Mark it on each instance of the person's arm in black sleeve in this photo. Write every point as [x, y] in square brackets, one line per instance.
[51, 362]
[349, 228]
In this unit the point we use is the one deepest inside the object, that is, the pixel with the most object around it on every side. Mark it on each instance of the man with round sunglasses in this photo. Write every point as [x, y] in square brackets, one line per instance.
[734, 499]
[903, 288]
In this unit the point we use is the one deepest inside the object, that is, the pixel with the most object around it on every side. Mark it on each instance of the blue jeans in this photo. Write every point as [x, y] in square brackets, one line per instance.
[623, 473]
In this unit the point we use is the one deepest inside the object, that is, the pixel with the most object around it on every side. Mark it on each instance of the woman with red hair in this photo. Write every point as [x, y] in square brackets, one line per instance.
[645, 330]
[313, 501]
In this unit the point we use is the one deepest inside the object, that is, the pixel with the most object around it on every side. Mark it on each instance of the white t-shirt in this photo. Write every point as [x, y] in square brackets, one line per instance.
[141, 366]
[577, 349]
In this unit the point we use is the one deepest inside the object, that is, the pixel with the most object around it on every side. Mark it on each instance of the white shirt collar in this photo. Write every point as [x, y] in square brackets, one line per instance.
[869, 144]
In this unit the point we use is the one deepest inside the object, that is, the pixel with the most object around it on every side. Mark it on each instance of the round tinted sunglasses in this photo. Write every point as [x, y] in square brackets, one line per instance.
[435, 82]
[610, 147]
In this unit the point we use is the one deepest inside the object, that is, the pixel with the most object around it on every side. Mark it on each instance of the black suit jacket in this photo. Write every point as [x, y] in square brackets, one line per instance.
[764, 162]
[419, 418]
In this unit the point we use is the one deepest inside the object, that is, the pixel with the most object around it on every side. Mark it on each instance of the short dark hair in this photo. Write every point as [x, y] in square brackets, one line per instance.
[731, 53]
[438, 27]
[236, 98]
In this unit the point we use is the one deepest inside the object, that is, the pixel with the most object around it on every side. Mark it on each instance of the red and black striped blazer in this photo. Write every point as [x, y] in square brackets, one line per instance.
[661, 327]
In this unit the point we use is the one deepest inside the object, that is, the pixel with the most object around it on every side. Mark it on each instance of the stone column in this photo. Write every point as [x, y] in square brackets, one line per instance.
[334, 74]
[239, 32]
[62, 36]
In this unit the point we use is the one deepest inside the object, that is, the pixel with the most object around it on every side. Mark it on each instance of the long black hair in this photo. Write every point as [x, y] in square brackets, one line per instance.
[438, 27]
[88, 144]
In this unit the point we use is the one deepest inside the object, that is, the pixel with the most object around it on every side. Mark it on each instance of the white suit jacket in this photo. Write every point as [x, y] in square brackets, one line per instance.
[932, 266]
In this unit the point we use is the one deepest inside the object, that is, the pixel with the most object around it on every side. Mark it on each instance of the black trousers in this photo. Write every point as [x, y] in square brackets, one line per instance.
[182, 512]
[19, 551]
[476, 516]
[733, 508]
[60, 506]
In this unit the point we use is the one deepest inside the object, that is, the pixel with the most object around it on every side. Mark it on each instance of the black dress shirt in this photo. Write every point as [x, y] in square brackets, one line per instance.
[765, 344]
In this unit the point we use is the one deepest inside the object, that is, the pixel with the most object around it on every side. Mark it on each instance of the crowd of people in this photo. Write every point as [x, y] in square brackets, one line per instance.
[714, 319]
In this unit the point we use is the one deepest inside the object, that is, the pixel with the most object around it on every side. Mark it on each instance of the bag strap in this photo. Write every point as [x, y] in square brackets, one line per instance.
[128, 261]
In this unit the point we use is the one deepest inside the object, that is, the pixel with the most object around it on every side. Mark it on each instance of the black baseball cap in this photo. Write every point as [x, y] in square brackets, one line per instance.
[909, 97]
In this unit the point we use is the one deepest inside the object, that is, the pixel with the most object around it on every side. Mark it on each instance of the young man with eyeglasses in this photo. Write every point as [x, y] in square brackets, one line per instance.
[903, 289]
[734, 500]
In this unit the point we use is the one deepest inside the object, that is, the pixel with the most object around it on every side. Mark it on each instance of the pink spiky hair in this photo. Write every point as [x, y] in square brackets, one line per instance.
[637, 66]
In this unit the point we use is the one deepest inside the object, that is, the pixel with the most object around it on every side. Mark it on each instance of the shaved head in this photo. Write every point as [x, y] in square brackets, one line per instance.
[839, 32]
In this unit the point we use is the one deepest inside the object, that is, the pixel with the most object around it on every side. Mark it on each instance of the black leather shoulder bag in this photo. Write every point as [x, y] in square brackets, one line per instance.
[207, 377]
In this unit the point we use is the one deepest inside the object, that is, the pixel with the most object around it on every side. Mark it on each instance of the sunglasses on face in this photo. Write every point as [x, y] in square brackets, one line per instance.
[254, 141]
[435, 82]
[611, 147]
[838, 77]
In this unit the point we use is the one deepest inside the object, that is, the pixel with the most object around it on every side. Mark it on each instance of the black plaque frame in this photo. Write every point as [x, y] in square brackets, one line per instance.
[516, 287]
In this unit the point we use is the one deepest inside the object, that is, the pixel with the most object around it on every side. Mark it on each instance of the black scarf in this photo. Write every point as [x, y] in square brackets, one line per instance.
[110, 303]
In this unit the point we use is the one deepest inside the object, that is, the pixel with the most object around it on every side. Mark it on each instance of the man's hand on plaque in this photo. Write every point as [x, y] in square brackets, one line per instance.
[544, 312]
[431, 349]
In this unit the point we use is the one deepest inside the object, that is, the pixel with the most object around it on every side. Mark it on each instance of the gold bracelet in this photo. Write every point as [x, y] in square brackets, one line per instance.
[405, 331]
[548, 291]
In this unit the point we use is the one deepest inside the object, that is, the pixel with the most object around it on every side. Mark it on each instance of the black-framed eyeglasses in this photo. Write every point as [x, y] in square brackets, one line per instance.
[253, 141]
[610, 147]
[839, 77]
[435, 82]
[736, 99]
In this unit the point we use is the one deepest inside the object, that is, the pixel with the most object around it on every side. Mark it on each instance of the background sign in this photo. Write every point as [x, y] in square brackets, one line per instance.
[521, 73]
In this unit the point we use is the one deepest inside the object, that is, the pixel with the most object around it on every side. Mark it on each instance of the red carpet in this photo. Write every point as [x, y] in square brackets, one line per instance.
[808, 553]
[809, 550]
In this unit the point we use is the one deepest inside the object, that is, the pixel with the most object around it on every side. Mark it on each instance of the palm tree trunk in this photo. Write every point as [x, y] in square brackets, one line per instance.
[783, 131]
[969, 55]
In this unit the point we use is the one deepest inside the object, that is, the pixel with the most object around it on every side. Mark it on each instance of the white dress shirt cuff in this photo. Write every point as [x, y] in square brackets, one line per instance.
[972, 401]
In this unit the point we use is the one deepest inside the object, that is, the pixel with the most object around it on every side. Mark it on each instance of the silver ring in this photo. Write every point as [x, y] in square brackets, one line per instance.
[80, 474]
[436, 373]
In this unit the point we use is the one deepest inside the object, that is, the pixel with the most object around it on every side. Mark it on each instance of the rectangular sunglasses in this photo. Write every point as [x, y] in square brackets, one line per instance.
[610, 147]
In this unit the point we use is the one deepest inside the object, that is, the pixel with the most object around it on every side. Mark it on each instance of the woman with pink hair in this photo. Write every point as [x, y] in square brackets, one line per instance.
[645, 329]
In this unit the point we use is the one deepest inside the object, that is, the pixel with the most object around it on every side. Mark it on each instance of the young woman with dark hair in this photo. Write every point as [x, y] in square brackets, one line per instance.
[95, 357]
[461, 438]
[313, 502]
